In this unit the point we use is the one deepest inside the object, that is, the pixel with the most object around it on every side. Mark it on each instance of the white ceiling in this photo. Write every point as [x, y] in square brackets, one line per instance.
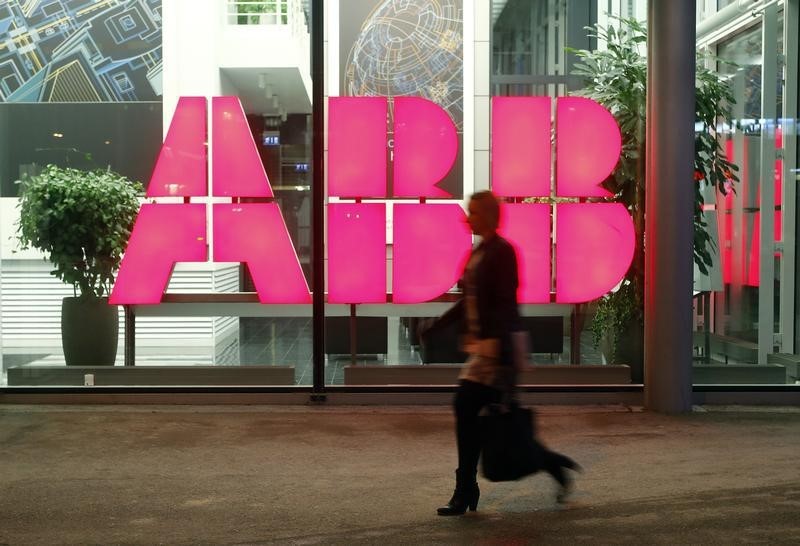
[286, 84]
[497, 9]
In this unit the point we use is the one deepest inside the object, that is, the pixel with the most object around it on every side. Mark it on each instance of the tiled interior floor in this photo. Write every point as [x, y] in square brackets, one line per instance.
[285, 342]
[288, 341]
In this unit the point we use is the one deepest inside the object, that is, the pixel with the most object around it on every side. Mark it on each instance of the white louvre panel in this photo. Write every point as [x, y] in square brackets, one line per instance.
[226, 280]
[31, 303]
[178, 331]
[207, 331]
[30, 315]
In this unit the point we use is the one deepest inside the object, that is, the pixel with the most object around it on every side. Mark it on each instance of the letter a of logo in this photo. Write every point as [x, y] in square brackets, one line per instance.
[165, 234]
[254, 233]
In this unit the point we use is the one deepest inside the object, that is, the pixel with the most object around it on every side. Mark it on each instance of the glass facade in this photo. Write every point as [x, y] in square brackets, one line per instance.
[121, 136]
[746, 310]
[532, 55]
[92, 86]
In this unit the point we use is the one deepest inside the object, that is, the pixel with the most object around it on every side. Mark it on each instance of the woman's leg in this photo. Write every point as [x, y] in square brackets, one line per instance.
[554, 464]
[470, 398]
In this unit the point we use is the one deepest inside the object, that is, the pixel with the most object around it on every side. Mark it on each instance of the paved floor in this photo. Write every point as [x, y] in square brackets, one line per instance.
[366, 475]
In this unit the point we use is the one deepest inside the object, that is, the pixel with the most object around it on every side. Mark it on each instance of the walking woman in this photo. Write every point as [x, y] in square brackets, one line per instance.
[489, 315]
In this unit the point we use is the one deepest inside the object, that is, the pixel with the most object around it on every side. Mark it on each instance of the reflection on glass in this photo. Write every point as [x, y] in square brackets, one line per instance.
[530, 57]
[530, 39]
[735, 308]
[123, 137]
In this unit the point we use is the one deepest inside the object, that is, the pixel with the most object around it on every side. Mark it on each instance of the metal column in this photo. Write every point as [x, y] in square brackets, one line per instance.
[669, 205]
[791, 29]
[318, 197]
[766, 270]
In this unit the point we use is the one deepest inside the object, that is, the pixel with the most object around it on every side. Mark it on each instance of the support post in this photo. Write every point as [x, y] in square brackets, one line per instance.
[669, 205]
[353, 334]
[766, 235]
[318, 198]
[790, 300]
[130, 336]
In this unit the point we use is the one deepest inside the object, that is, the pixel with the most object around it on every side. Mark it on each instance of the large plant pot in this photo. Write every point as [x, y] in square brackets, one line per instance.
[630, 350]
[89, 331]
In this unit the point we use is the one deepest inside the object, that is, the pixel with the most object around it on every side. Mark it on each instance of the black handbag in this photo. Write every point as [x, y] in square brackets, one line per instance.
[509, 449]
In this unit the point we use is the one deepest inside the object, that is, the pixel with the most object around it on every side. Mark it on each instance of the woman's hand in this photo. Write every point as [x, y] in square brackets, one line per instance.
[489, 347]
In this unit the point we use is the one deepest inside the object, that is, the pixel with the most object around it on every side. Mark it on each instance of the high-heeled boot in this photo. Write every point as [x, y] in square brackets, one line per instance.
[555, 463]
[465, 495]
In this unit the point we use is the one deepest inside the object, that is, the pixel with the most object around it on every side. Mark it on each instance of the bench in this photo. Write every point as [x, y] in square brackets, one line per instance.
[546, 335]
[371, 335]
[790, 361]
[150, 375]
[447, 374]
[745, 374]
[729, 347]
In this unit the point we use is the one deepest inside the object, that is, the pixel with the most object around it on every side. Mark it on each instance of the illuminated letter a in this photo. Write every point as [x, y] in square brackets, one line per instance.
[166, 234]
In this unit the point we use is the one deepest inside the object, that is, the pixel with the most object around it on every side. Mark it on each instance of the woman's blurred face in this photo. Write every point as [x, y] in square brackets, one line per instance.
[477, 218]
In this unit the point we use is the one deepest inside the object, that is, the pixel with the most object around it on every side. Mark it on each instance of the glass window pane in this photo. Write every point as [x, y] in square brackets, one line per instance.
[210, 328]
[395, 51]
[532, 52]
[727, 343]
[123, 137]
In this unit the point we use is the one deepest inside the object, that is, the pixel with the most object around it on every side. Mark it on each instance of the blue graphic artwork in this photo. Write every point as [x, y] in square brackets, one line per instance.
[414, 47]
[80, 51]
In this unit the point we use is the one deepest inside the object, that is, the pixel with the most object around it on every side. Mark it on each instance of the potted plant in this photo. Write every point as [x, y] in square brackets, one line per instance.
[616, 77]
[81, 220]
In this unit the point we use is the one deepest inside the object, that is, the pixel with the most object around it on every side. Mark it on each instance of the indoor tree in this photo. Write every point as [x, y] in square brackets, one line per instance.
[616, 77]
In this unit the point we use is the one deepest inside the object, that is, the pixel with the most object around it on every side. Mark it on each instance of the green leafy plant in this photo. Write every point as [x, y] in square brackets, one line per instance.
[713, 99]
[249, 11]
[615, 314]
[616, 77]
[82, 221]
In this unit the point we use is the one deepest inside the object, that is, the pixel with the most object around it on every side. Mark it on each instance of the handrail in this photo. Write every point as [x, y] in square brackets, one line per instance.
[258, 12]
[283, 13]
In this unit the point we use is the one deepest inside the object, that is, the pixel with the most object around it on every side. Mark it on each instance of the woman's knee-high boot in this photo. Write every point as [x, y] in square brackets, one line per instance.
[465, 496]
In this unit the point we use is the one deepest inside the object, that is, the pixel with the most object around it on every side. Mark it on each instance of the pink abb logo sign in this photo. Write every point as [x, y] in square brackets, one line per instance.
[594, 241]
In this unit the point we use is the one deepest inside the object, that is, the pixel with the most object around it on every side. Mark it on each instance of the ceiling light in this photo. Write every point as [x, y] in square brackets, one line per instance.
[262, 81]
[268, 91]
[274, 102]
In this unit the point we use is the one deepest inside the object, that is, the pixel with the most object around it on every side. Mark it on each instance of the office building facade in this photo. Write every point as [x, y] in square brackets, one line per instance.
[95, 85]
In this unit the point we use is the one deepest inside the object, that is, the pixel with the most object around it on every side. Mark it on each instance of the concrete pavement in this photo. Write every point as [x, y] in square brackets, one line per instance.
[374, 475]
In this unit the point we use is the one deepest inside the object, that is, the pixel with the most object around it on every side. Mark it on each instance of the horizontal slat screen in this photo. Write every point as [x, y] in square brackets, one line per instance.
[30, 308]
[226, 280]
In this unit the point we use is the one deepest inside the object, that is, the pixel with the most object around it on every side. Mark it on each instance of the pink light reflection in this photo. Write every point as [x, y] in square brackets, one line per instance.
[521, 146]
[425, 147]
[594, 248]
[162, 236]
[237, 169]
[256, 233]
[588, 144]
[357, 146]
[181, 167]
[431, 245]
[527, 227]
[356, 253]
